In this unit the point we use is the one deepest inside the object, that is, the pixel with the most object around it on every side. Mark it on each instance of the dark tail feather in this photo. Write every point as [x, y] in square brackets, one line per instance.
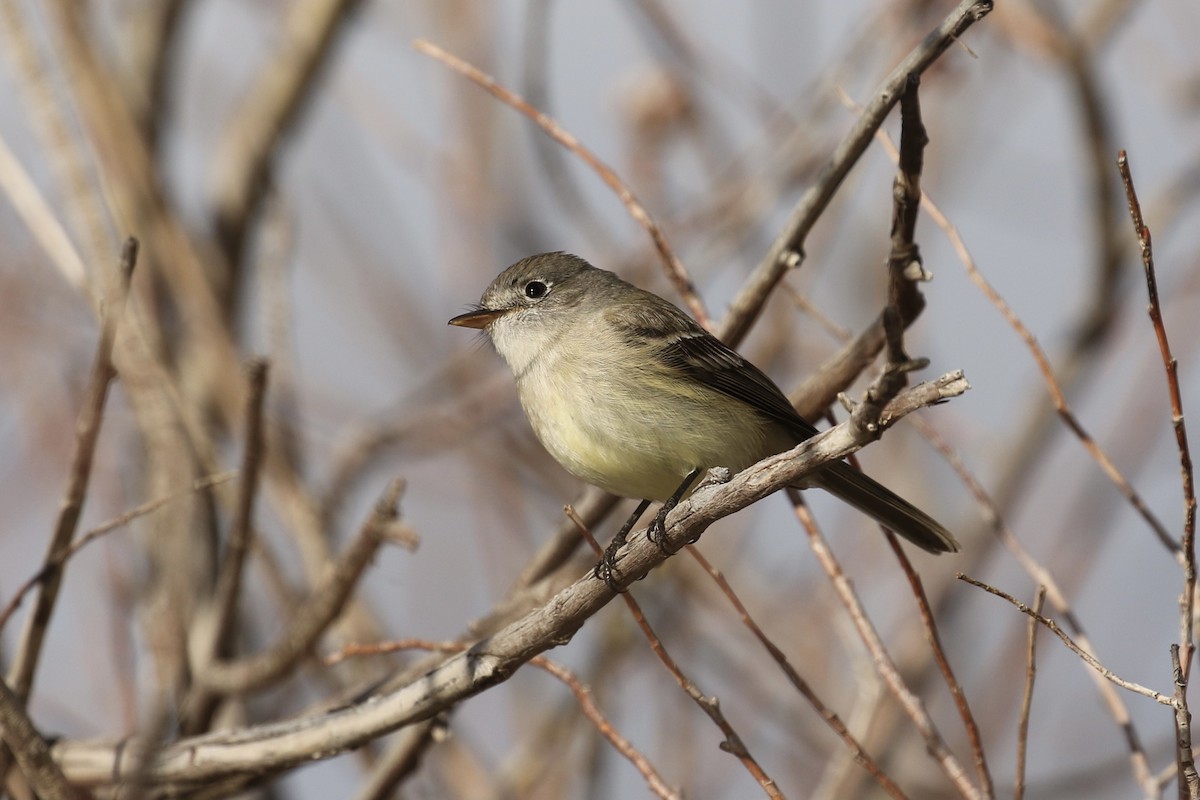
[885, 507]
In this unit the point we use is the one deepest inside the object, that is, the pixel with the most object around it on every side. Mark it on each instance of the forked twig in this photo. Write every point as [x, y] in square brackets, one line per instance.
[830, 716]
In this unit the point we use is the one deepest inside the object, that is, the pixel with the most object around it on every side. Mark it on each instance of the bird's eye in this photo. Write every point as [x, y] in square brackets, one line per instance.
[536, 290]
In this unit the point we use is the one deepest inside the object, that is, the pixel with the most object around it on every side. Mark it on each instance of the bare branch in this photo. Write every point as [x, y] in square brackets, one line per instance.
[1027, 697]
[87, 433]
[830, 717]
[1171, 366]
[912, 705]
[787, 251]
[31, 750]
[1087, 657]
[494, 658]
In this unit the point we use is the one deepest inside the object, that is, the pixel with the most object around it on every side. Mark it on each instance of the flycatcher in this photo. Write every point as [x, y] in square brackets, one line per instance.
[628, 393]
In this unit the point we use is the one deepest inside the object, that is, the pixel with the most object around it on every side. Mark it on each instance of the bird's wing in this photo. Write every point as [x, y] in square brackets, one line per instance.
[704, 358]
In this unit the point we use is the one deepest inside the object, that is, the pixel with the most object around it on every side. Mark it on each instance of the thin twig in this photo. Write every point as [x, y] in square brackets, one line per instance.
[830, 716]
[113, 524]
[674, 267]
[1027, 697]
[1087, 657]
[939, 656]
[233, 561]
[884, 665]
[87, 433]
[1188, 544]
[733, 743]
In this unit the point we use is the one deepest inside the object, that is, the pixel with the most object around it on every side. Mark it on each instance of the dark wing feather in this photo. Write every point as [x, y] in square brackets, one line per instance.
[699, 355]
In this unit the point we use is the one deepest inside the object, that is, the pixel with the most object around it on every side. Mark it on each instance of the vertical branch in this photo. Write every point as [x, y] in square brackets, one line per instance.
[1189, 781]
[904, 261]
[1181, 654]
[1027, 697]
[1188, 545]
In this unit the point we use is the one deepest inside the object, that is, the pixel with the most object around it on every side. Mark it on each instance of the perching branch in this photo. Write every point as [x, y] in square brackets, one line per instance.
[494, 658]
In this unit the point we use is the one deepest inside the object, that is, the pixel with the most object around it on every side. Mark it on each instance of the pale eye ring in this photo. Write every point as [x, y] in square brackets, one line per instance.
[536, 290]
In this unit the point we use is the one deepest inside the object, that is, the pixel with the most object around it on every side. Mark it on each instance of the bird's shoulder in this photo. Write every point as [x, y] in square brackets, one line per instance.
[682, 345]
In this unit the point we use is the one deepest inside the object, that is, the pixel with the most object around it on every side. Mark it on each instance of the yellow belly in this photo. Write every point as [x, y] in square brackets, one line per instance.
[636, 441]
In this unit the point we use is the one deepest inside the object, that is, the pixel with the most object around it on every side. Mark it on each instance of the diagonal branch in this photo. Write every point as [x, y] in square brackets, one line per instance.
[787, 251]
[495, 658]
[87, 434]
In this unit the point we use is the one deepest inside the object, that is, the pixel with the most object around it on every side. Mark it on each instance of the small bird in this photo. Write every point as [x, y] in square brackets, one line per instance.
[628, 393]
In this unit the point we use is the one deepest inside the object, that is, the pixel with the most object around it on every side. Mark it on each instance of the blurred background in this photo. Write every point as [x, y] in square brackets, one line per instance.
[308, 188]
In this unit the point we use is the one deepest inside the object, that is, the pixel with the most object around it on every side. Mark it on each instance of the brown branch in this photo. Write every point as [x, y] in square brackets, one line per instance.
[87, 433]
[787, 251]
[31, 750]
[904, 267]
[1027, 696]
[827, 714]
[939, 656]
[674, 267]
[583, 695]
[904, 261]
[884, 666]
[233, 561]
[1181, 654]
[1171, 366]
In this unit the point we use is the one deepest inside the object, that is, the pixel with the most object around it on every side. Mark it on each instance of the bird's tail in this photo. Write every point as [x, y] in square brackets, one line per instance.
[885, 507]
